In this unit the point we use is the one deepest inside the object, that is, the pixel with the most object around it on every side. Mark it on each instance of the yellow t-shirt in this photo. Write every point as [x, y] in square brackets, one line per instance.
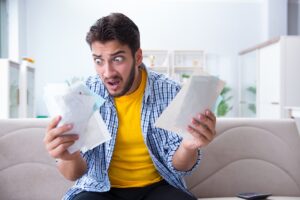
[131, 164]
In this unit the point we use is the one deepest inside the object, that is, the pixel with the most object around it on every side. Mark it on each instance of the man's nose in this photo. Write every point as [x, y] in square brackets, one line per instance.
[108, 70]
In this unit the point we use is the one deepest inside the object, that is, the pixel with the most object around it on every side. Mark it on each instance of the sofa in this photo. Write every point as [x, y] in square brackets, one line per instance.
[247, 155]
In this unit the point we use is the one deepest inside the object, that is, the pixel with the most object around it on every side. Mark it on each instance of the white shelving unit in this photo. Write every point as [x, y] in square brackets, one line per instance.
[16, 89]
[157, 60]
[273, 69]
[9, 89]
[186, 62]
[27, 82]
[177, 64]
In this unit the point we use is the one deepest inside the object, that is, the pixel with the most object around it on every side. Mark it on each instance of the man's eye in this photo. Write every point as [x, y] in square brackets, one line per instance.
[98, 61]
[118, 59]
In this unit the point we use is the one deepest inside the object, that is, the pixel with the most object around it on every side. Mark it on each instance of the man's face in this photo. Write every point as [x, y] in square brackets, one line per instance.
[116, 66]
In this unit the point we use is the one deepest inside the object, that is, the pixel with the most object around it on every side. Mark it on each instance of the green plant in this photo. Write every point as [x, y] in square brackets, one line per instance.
[224, 107]
[252, 106]
[252, 89]
[184, 75]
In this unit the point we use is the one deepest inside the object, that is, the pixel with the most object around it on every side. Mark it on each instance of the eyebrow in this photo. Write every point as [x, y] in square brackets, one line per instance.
[113, 54]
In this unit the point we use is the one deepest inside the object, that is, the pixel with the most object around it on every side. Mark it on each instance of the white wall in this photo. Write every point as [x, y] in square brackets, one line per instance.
[56, 32]
[13, 30]
[274, 17]
[294, 17]
[3, 29]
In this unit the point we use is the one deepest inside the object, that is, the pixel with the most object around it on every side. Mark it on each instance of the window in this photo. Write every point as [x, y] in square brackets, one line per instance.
[3, 30]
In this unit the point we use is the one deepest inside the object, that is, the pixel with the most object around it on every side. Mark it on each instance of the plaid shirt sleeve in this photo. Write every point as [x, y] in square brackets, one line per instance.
[166, 90]
[173, 145]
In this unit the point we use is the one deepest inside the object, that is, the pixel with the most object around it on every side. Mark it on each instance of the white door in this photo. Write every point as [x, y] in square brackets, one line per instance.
[269, 81]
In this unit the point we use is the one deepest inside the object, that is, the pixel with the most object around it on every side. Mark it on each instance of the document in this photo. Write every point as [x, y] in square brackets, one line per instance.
[77, 105]
[197, 95]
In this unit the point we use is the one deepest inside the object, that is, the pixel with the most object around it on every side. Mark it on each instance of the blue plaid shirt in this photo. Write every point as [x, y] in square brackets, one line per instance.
[161, 144]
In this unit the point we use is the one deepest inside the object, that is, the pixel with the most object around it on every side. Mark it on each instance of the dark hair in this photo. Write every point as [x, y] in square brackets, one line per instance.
[115, 26]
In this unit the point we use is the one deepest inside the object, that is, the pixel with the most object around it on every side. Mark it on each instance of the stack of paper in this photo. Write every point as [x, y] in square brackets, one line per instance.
[197, 95]
[78, 106]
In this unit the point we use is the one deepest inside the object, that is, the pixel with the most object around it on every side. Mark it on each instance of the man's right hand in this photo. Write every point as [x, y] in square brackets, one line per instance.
[71, 166]
[57, 143]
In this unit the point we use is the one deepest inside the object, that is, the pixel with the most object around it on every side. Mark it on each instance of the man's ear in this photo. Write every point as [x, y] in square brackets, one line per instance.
[139, 57]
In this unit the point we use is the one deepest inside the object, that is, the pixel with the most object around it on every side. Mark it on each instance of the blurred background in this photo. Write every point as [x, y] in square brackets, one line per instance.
[243, 42]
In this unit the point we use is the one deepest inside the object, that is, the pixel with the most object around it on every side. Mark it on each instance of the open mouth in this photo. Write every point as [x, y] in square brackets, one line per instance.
[113, 84]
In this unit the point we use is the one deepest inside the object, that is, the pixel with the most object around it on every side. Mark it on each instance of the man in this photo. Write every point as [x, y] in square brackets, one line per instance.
[140, 161]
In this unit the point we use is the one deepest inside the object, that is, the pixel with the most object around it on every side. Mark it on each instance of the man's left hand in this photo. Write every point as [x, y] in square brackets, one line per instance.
[202, 128]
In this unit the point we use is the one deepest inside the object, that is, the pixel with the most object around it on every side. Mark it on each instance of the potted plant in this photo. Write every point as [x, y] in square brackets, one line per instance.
[224, 107]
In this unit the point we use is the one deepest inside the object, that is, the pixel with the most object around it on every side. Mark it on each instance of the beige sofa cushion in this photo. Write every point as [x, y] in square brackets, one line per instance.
[247, 155]
[26, 170]
[250, 155]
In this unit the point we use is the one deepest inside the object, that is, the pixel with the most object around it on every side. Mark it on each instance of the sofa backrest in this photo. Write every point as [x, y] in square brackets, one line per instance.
[26, 170]
[247, 155]
[250, 155]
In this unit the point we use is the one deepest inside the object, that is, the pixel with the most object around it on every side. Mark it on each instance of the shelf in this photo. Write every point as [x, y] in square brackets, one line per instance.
[174, 63]
[156, 58]
[181, 68]
[159, 68]
[9, 89]
[190, 58]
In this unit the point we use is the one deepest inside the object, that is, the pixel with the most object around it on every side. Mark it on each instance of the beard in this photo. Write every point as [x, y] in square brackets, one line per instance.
[128, 83]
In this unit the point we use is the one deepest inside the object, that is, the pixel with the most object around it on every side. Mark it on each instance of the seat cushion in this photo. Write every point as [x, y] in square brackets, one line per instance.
[26, 169]
[261, 155]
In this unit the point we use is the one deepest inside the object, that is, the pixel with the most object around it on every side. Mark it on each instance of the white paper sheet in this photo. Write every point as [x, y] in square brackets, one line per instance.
[78, 106]
[197, 95]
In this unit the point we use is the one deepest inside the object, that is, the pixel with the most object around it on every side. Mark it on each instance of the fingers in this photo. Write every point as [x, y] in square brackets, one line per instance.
[53, 123]
[206, 122]
[198, 135]
[56, 143]
[61, 140]
[55, 132]
[210, 115]
[203, 126]
[209, 120]
[61, 150]
[199, 128]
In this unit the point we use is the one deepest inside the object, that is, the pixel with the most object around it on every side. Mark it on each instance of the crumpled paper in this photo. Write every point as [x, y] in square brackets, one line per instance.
[77, 105]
